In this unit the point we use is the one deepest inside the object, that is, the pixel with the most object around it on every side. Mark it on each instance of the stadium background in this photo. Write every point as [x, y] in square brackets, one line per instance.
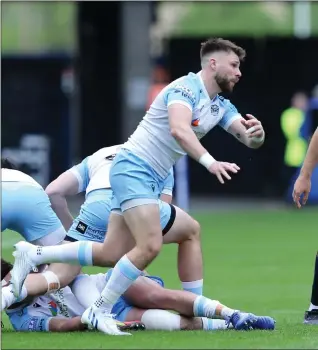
[79, 76]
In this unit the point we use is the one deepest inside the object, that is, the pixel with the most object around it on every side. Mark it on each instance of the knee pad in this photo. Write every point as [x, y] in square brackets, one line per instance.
[53, 282]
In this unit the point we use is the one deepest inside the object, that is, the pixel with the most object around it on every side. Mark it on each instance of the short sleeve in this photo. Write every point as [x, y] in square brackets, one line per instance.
[230, 115]
[184, 92]
[82, 174]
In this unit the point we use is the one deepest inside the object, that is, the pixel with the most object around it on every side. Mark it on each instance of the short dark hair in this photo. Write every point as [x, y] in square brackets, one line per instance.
[219, 44]
[6, 267]
[7, 164]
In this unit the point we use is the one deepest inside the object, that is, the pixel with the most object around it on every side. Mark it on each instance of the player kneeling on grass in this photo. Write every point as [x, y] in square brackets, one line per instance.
[146, 300]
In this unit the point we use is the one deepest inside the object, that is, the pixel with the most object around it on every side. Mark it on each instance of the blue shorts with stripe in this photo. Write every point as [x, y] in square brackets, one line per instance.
[133, 181]
[92, 222]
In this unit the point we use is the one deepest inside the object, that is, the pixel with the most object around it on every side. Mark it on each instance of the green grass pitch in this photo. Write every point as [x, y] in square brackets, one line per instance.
[256, 261]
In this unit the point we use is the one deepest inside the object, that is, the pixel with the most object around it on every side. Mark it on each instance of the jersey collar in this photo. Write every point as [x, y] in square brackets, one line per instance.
[199, 75]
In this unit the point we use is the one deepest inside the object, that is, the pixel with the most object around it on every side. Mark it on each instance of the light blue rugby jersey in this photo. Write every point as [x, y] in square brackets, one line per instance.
[152, 140]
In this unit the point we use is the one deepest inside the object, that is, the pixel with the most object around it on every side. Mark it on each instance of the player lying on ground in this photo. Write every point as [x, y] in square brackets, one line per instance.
[182, 113]
[27, 210]
[146, 300]
[91, 225]
[302, 189]
[57, 311]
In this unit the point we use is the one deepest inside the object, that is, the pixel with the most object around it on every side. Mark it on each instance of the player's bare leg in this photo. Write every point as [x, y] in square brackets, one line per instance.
[56, 276]
[116, 245]
[185, 231]
[156, 319]
[148, 294]
[144, 224]
[83, 253]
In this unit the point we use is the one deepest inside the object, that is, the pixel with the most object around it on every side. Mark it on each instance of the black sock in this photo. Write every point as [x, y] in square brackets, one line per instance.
[314, 293]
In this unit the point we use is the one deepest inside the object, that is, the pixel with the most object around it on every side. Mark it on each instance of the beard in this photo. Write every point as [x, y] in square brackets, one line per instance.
[225, 84]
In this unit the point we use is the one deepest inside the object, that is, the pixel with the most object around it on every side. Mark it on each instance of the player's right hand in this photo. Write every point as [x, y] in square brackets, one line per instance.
[301, 188]
[221, 169]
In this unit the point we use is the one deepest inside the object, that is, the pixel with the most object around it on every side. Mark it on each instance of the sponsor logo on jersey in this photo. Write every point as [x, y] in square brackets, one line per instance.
[53, 308]
[186, 92]
[60, 302]
[215, 110]
[195, 122]
[81, 227]
[95, 234]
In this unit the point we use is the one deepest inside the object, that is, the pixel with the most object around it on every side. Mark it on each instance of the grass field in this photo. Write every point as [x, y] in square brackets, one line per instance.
[257, 261]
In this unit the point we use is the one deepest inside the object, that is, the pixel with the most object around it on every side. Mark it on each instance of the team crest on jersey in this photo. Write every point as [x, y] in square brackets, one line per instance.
[215, 110]
[53, 308]
[186, 92]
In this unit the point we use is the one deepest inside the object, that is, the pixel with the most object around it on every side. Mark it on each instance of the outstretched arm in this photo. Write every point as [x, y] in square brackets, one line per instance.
[311, 159]
[180, 124]
[303, 183]
[65, 185]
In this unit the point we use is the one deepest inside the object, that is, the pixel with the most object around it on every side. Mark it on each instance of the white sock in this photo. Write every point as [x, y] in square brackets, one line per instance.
[195, 287]
[9, 299]
[226, 312]
[85, 290]
[123, 276]
[205, 307]
[312, 307]
[76, 253]
[211, 325]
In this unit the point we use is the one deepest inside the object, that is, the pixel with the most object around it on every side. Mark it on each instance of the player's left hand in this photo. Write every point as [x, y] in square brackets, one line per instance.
[301, 188]
[254, 127]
